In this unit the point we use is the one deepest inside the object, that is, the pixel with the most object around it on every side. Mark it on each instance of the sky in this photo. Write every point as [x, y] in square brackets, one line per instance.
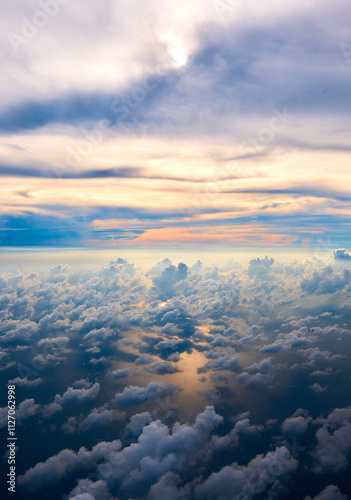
[175, 253]
[158, 124]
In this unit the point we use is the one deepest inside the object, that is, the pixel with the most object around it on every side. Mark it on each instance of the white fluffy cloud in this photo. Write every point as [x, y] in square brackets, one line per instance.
[296, 425]
[67, 461]
[133, 395]
[334, 441]
[331, 492]
[246, 482]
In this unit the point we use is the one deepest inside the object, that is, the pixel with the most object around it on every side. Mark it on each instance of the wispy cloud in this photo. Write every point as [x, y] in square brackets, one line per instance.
[199, 115]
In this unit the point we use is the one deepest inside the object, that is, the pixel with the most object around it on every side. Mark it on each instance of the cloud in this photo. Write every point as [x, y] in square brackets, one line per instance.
[227, 318]
[138, 422]
[255, 380]
[264, 364]
[317, 388]
[155, 91]
[159, 267]
[246, 482]
[89, 490]
[97, 417]
[159, 451]
[122, 373]
[133, 395]
[144, 359]
[220, 359]
[25, 382]
[334, 441]
[330, 492]
[326, 281]
[242, 427]
[314, 354]
[341, 254]
[71, 395]
[260, 268]
[15, 330]
[162, 368]
[129, 467]
[211, 394]
[82, 383]
[78, 395]
[296, 426]
[67, 461]
[287, 341]
[27, 409]
[169, 278]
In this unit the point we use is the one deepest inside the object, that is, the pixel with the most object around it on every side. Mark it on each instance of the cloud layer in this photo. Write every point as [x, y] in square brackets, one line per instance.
[215, 123]
[159, 382]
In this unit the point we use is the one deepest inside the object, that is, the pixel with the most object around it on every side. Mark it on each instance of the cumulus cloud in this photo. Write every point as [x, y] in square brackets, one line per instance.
[67, 461]
[133, 395]
[211, 394]
[334, 441]
[144, 359]
[77, 395]
[17, 330]
[25, 382]
[255, 379]
[159, 451]
[96, 418]
[216, 322]
[264, 364]
[159, 267]
[326, 281]
[341, 254]
[169, 278]
[162, 368]
[26, 409]
[88, 392]
[138, 422]
[242, 427]
[246, 482]
[122, 373]
[296, 426]
[136, 467]
[331, 492]
[260, 268]
[89, 490]
[220, 359]
[317, 388]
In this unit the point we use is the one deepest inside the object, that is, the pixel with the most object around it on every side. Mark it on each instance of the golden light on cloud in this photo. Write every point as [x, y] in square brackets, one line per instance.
[213, 235]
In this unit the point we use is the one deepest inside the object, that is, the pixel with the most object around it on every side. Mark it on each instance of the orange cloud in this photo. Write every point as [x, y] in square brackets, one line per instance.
[221, 234]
